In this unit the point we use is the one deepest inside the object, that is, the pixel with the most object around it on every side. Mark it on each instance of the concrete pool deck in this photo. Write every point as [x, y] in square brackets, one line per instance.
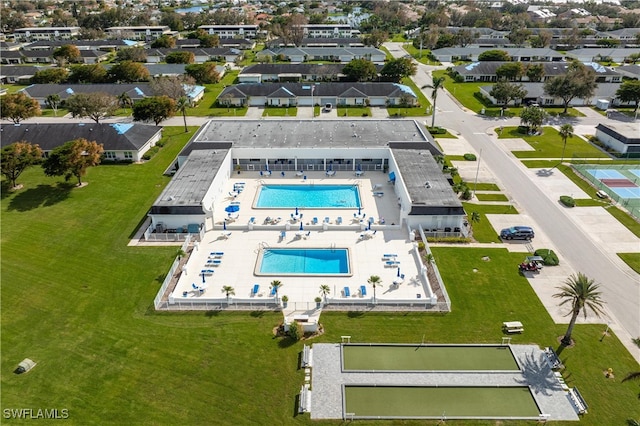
[241, 244]
[327, 380]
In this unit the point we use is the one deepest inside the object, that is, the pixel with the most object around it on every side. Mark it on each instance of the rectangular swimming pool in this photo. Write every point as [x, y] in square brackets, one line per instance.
[309, 261]
[308, 196]
[437, 402]
[378, 357]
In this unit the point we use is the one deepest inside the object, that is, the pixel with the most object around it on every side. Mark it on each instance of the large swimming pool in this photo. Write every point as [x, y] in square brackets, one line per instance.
[308, 196]
[310, 261]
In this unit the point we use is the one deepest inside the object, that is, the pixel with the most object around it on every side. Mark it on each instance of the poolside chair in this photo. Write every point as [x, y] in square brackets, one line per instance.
[194, 286]
[252, 220]
[214, 262]
[339, 220]
[255, 289]
[300, 173]
[377, 186]
[283, 235]
[326, 219]
[347, 292]
[273, 291]
[314, 221]
[307, 235]
[226, 234]
[282, 174]
[363, 290]
[378, 193]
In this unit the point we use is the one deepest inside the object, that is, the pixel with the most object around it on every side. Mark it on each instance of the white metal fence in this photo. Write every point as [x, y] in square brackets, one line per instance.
[167, 279]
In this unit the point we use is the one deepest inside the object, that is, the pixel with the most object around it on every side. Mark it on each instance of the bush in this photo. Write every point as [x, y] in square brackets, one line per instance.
[295, 331]
[466, 194]
[567, 201]
[448, 239]
[458, 78]
[437, 130]
[152, 151]
[470, 157]
[420, 246]
[549, 256]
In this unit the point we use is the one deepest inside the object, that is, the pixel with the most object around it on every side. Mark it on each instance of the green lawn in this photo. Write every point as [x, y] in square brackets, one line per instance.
[207, 106]
[78, 301]
[468, 94]
[415, 53]
[418, 111]
[354, 112]
[13, 88]
[491, 197]
[631, 259]
[446, 135]
[486, 187]
[549, 145]
[483, 232]
[280, 112]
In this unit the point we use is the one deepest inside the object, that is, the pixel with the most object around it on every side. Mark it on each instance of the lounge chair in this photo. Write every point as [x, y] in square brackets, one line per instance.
[378, 193]
[339, 220]
[226, 234]
[326, 219]
[391, 264]
[300, 173]
[282, 174]
[255, 289]
[307, 235]
[377, 186]
[389, 255]
[194, 286]
[207, 272]
[283, 235]
[363, 290]
[359, 172]
[347, 292]
[330, 173]
[252, 220]
[314, 221]
[216, 254]
[273, 291]
[214, 262]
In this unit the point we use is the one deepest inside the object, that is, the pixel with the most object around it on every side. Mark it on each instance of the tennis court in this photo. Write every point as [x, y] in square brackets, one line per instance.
[389, 357]
[606, 174]
[439, 402]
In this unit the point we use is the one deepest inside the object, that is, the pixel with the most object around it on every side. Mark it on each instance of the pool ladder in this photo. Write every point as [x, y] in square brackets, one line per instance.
[261, 246]
[333, 247]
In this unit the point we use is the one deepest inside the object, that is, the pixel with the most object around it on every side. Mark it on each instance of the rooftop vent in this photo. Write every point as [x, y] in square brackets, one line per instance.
[427, 184]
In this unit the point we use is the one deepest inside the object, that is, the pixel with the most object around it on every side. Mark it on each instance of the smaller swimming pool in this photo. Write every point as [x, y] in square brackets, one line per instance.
[309, 261]
[308, 196]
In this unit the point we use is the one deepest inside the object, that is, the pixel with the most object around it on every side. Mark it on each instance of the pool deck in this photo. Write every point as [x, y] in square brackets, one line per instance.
[327, 380]
[241, 246]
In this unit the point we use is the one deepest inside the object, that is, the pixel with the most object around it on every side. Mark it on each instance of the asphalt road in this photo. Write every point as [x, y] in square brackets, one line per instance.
[620, 290]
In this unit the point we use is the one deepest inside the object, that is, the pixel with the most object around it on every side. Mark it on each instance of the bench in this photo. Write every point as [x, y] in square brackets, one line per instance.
[578, 401]
[512, 327]
[553, 358]
[306, 357]
[255, 289]
[305, 399]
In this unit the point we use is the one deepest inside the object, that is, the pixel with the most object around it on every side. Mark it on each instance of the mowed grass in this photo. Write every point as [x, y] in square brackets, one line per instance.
[483, 232]
[491, 197]
[280, 112]
[549, 145]
[354, 112]
[78, 300]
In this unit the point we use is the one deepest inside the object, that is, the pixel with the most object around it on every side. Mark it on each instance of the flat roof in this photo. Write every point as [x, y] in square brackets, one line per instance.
[428, 188]
[310, 133]
[187, 189]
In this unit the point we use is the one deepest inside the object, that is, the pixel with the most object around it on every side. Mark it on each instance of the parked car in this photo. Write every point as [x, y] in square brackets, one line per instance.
[517, 233]
[327, 108]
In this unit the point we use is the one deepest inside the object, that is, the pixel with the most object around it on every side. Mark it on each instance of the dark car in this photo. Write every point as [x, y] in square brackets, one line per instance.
[517, 233]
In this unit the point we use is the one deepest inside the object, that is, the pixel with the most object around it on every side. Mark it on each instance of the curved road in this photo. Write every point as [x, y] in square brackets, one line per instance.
[620, 290]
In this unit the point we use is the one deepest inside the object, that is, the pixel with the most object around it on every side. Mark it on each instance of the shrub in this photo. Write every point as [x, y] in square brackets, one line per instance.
[420, 246]
[448, 239]
[549, 256]
[469, 157]
[466, 194]
[295, 331]
[567, 201]
[437, 130]
[365, 114]
[458, 78]
[152, 151]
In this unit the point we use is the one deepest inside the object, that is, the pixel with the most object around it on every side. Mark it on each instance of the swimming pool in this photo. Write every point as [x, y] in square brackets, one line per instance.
[308, 196]
[310, 261]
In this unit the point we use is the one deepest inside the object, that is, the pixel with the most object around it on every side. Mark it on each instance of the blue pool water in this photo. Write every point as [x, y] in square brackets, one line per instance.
[308, 196]
[304, 261]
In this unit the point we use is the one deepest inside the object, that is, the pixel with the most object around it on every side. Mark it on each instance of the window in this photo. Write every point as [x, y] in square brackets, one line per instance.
[110, 155]
[128, 155]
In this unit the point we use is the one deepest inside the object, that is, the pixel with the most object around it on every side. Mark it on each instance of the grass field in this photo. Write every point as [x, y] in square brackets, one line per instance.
[417, 357]
[434, 401]
[549, 145]
[78, 301]
[280, 112]
[491, 197]
[483, 232]
[354, 112]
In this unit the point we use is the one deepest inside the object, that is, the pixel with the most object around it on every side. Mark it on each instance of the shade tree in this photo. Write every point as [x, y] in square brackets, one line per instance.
[94, 105]
[73, 159]
[18, 106]
[155, 108]
[17, 157]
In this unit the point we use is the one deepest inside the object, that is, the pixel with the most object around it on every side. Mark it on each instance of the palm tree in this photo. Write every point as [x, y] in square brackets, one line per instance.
[475, 217]
[566, 131]
[124, 100]
[438, 83]
[275, 286]
[229, 291]
[182, 105]
[325, 290]
[635, 375]
[581, 292]
[375, 281]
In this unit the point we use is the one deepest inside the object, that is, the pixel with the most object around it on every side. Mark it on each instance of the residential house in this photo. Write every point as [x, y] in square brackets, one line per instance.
[623, 138]
[104, 45]
[262, 73]
[146, 33]
[486, 71]
[601, 54]
[300, 94]
[46, 33]
[344, 55]
[232, 31]
[10, 74]
[630, 71]
[332, 30]
[121, 141]
[345, 42]
[201, 55]
[535, 94]
[517, 54]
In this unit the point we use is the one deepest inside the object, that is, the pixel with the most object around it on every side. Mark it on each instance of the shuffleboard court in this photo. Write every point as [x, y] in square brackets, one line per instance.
[438, 402]
[418, 357]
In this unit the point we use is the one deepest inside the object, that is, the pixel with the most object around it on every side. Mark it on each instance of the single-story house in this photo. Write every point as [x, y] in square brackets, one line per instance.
[621, 137]
[13, 57]
[535, 94]
[486, 71]
[45, 56]
[136, 91]
[318, 42]
[262, 73]
[298, 94]
[105, 45]
[330, 54]
[121, 141]
[517, 54]
[18, 74]
[601, 54]
[630, 71]
[201, 55]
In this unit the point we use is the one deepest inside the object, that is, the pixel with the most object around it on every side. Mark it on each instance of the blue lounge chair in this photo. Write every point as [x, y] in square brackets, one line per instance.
[252, 220]
[207, 271]
[347, 292]
[256, 287]
[339, 220]
[216, 254]
[194, 286]
[389, 255]
[326, 219]
[214, 262]
[282, 174]
[314, 221]
[273, 291]
[391, 264]
[363, 290]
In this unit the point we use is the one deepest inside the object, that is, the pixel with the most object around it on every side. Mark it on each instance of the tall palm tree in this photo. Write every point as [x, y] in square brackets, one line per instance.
[124, 100]
[324, 291]
[275, 286]
[375, 281]
[438, 83]
[182, 105]
[566, 131]
[229, 291]
[635, 375]
[582, 293]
